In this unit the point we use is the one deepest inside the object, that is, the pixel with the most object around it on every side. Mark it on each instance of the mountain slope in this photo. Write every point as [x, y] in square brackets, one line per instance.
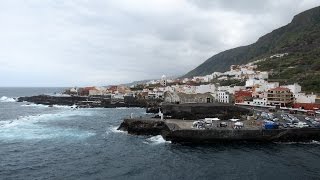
[302, 36]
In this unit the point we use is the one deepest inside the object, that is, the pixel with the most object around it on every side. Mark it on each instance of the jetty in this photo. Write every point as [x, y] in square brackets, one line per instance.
[182, 131]
[247, 128]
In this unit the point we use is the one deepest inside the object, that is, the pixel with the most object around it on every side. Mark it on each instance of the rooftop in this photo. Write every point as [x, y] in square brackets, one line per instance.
[280, 89]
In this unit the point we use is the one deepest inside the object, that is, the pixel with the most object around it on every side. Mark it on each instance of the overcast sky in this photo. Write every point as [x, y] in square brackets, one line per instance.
[91, 42]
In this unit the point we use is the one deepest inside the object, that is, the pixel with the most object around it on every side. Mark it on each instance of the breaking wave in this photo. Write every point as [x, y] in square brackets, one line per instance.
[35, 127]
[46, 106]
[114, 129]
[35, 105]
[156, 140]
[7, 99]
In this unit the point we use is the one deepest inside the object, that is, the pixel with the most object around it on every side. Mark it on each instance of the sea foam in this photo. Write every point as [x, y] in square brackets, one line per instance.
[35, 127]
[114, 129]
[7, 99]
[156, 140]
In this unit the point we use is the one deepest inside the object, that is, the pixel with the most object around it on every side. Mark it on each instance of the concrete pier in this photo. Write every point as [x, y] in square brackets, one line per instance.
[181, 131]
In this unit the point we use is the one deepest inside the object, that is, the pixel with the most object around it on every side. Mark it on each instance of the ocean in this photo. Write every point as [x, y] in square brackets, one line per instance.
[41, 142]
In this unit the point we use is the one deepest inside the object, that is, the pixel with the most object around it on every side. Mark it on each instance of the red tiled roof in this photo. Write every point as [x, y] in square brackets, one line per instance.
[307, 106]
[89, 88]
[243, 93]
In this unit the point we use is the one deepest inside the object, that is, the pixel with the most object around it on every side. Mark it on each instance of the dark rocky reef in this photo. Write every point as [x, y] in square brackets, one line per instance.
[87, 101]
[143, 126]
[53, 100]
[200, 111]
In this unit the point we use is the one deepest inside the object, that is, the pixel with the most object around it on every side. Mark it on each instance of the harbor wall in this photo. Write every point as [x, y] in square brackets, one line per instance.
[172, 132]
[213, 136]
[201, 111]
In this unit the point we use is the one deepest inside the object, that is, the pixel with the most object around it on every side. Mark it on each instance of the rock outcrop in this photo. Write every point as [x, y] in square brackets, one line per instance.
[143, 126]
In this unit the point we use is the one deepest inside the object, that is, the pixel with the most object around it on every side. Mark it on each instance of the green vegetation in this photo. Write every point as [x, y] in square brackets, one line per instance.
[303, 68]
[300, 38]
[231, 82]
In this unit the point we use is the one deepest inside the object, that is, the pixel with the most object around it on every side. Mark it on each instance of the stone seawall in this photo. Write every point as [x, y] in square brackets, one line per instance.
[213, 136]
[200, 111]
[176, 131]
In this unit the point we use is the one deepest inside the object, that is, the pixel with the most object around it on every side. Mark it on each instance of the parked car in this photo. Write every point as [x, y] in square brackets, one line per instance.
[223, 124]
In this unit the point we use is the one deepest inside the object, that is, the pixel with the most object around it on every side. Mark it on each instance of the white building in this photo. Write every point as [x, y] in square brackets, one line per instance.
[217, 74]
[303, 98]
[231, 90]
[163, 80]
[155, 94]
[260, 102]
[253, 82]
[98, 91]
[74, 90]
[260, 75]
[209, 88]
[187, 89]
[294, 88]
[223, 96]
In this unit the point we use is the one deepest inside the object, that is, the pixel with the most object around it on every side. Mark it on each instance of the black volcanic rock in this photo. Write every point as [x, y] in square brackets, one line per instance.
[143, 126]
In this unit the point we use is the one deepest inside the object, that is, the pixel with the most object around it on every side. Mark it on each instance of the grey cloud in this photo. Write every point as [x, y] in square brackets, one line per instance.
[109, 42]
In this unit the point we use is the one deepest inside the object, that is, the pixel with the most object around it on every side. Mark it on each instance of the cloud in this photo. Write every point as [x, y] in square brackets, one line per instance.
[67, 43]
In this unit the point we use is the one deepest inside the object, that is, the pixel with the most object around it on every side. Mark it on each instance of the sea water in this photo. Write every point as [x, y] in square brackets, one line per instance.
[41, 142]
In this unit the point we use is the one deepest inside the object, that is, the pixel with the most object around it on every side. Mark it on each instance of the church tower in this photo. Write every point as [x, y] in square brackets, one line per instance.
[163, 81]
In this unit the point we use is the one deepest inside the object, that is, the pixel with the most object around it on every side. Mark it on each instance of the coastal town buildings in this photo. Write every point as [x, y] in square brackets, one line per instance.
[280, 96]
[242, 96]
[247, 87]
[155, 94]
[183, 98]
[223, 97]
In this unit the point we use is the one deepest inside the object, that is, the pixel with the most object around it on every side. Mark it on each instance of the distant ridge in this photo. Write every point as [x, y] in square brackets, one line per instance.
[301, 36]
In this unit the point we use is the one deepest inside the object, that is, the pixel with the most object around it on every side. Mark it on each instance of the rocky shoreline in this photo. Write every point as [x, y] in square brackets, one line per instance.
[180, 130]
[143, 126]
[89, 102]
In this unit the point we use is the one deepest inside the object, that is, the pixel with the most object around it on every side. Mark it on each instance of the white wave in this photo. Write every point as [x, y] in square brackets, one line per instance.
[54, 106]
[114, 129]
[63, 106]
[7, 99]
[156, 140]
[35, 105]
[34, 127]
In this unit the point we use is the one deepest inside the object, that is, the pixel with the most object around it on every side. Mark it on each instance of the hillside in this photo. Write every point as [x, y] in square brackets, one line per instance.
[300, 38]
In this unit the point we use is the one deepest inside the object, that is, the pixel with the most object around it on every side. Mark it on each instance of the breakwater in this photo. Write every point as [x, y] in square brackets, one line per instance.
[181, 131]
[248, 135]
